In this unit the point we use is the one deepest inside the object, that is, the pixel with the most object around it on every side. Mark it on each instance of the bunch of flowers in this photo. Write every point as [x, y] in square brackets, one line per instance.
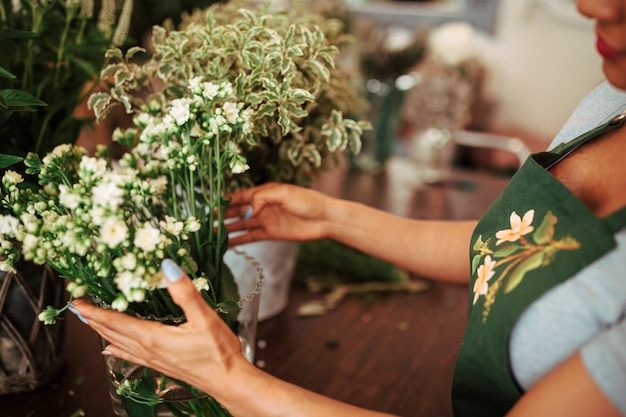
[274, 69]
[106, 228]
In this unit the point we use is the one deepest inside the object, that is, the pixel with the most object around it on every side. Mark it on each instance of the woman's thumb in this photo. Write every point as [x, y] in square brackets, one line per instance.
[183, 292]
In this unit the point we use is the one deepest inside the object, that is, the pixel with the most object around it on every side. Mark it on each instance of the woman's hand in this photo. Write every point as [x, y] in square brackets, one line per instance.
[202, 346]
[278, 212]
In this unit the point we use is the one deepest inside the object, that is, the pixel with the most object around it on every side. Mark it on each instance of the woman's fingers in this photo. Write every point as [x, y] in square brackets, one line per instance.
[185, 294]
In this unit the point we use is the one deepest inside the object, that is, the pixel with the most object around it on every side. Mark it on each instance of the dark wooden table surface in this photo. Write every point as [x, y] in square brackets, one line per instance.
[395, 354]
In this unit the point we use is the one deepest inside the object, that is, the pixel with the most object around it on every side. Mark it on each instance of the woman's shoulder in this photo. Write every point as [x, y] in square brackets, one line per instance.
[599, 106]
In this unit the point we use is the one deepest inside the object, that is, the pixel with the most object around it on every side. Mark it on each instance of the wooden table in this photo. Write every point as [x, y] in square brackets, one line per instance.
[395, 354]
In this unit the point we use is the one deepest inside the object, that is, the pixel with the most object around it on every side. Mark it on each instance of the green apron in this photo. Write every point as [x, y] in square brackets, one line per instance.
[534, 237]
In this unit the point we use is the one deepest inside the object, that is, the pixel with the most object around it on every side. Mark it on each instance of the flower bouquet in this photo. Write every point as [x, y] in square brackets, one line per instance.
[275, 70]
[105, 228]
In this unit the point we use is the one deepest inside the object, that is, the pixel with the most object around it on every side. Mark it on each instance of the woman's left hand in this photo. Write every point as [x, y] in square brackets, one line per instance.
[202, 346]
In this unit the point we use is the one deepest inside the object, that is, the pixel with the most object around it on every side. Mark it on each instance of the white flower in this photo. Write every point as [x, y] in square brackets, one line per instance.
[9, 225]
[6, 265]
[171, 225]
[128, 262]
[180, 111]
[192, 224]
[238, 164]
[76, 290]
[453, 43]
[67, 198]
[106, 194]
[11, 178]
[143, 120]
[93, 166]
[231, 111]
[126, 281]
[30, 243]
[119, 304]
[210, 90]
[227, 89]
[97, 215]
[195, 85]
[30, 222]
[61, 149]
[113, 232]
[201, 284]
[147, 238]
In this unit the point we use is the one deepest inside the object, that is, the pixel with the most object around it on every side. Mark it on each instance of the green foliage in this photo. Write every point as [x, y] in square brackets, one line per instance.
[281, 64]
[50, 52]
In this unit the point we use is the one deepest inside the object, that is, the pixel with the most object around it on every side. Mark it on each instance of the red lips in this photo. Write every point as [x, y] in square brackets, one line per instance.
[605, 50]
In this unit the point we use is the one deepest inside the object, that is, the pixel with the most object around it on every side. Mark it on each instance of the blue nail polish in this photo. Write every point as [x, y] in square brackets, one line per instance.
[248, 213]
[171, 271]
[77, 313]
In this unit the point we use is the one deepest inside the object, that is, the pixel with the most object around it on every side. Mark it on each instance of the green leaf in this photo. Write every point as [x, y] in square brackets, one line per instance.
[534, 261]
[99, 102]
[17, 98]
[6, 74]
[475, 263]
[335, 140]
[6, 34]
[8, 160]
[506, 250]
[545, 231]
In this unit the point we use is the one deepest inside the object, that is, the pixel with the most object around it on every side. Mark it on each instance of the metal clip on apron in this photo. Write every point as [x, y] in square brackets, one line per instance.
[534, 237]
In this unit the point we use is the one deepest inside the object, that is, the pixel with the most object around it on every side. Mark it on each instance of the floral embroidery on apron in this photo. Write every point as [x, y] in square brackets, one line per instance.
[518, 250]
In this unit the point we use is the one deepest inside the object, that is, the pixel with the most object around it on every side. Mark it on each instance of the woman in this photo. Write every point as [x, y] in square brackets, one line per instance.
[547, 295]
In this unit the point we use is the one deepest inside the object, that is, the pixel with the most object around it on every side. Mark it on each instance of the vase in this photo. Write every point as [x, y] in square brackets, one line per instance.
[31, 353]
[278, 260]
[137, 391]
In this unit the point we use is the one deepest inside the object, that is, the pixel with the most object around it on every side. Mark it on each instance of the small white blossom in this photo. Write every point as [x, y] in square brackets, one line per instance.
[11, 178]
[9, 225]
[120, 303]
[93, 166]
[97, 215]
[113, 232]
[30, 222]
[147, 238]
[210, 90]
[195, 85]
[68, 198]
[107, 194]
[76, 290]
[171, 225]
[238, 164]
[231, 111]
[201, 284]
[192, 224]
[30, 244]
[180, 111]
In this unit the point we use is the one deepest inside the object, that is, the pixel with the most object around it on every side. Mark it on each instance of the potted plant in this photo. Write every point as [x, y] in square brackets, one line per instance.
[49, 49]
[280, 69]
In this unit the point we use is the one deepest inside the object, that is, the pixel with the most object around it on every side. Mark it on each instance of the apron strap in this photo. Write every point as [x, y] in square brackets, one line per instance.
[616, 221]
[551, 158]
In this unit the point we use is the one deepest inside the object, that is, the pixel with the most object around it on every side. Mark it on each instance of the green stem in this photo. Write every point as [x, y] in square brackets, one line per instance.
[37, 15]
[60, 53]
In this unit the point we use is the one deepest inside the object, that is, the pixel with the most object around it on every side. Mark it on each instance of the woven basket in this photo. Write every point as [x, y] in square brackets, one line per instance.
[31, 353]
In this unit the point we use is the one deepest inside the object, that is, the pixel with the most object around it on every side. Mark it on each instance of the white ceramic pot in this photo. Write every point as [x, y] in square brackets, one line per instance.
[278, 260]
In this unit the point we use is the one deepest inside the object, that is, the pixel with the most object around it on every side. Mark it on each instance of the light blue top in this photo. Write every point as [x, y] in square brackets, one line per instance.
[587, 313]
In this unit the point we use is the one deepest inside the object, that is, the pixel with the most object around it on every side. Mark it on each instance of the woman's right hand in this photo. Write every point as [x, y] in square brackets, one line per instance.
[276, 211]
